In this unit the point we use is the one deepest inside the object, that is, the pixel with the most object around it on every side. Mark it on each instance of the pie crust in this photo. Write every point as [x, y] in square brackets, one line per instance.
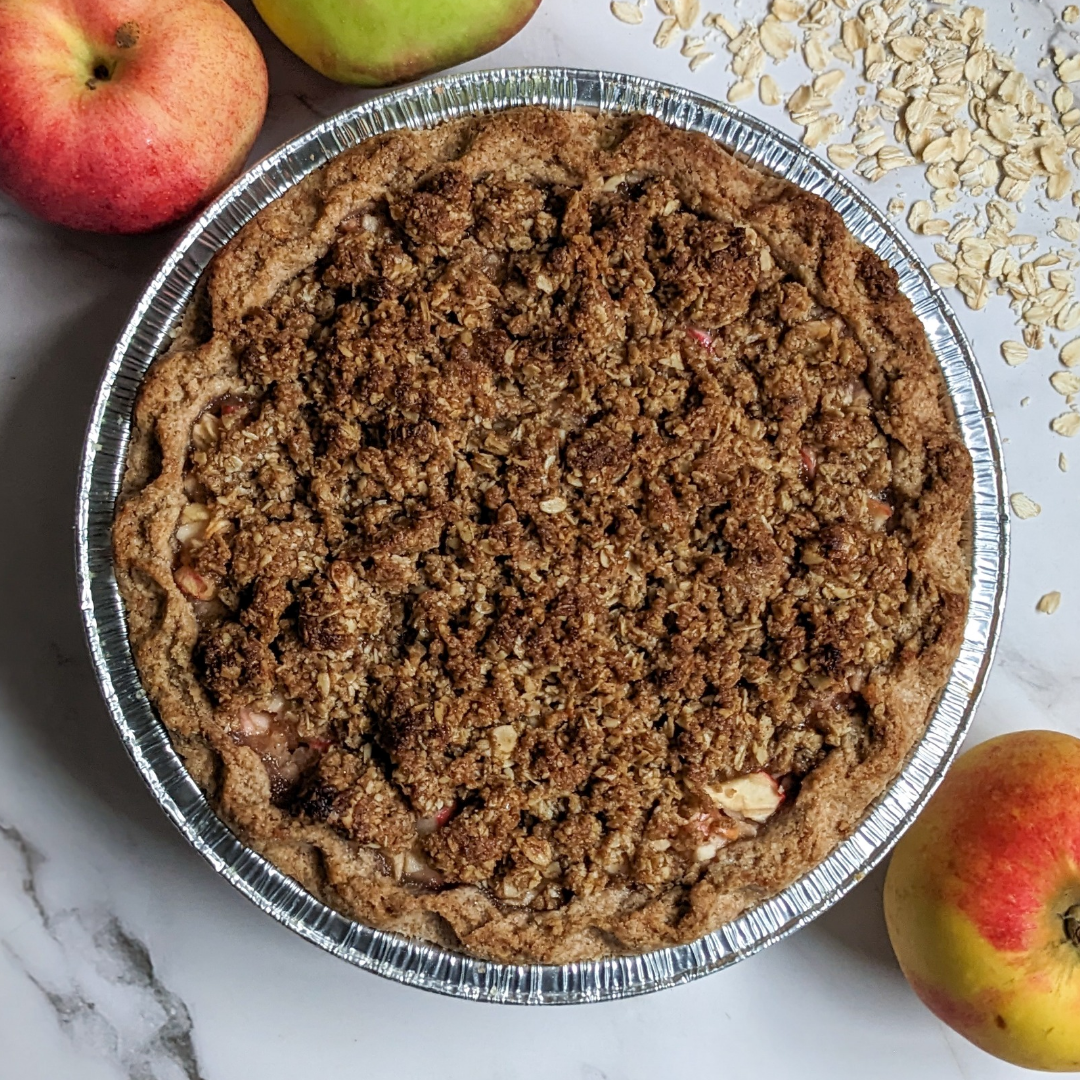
[546, 535]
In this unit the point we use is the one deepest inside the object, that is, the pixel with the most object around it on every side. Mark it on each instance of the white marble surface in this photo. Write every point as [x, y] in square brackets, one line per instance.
[123, 957]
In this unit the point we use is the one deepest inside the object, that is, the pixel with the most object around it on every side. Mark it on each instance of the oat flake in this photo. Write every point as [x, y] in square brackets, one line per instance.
[1014, 352]
[1049, 602]
[1067, 424]
[626, 11]
[1024, 506]
[1066, 382]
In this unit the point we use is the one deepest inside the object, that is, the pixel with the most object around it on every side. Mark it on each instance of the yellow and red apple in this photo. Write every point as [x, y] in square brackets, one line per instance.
[125, 115]
[379, 42]
[982, 899]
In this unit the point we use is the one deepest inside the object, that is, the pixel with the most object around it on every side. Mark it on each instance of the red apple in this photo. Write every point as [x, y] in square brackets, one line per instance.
[124, 115]
[982, 899]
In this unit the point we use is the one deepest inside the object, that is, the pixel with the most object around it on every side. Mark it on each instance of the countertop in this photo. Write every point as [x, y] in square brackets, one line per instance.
[124, 957]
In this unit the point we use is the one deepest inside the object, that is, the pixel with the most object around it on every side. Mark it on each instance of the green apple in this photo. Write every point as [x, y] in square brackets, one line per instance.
[379, 42]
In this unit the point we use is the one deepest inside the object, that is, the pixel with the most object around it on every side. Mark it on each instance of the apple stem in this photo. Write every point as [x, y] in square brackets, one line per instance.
[126, 37]
[100, 73]
[1071, 922]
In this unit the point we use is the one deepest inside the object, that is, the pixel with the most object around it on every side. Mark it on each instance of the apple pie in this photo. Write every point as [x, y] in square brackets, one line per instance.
[546, 535]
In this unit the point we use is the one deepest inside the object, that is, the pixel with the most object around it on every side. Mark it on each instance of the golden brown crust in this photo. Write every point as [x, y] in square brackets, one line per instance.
[512, 486]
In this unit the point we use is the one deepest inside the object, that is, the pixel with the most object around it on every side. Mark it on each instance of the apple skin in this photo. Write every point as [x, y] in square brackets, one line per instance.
[167, 129]
[982, 900]
[381, 42]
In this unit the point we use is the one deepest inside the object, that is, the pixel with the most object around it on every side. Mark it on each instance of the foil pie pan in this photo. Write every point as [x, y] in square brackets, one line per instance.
[417, 963]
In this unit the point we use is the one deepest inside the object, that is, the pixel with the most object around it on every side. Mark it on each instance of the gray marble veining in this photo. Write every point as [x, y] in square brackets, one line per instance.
[99, 981]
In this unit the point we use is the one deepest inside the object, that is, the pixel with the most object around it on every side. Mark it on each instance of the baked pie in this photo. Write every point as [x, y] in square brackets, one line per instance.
[547, 534]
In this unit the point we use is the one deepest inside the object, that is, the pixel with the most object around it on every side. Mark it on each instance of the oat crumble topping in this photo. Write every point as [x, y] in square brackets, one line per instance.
[542, 538]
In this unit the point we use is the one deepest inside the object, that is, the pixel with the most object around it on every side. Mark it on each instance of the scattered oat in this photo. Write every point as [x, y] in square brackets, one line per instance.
[769, 91]
[1070, 353]
[788, 10]
[937, 150]
[945, 274]
[827, 84]
[1068, 317]
[1023, 506]
[740, 91]
[909, 49]
[666, 33]
[1049, 602]
[1057, 187]
[1063, 462]
[819, 129]
[1067, 424]
[1066, 383]
[891, 157]
[1069, 69]
[691, 46]
[869, 141]
[627, 11]
[776, 39]
[815, 53]
[1067, 228]
[716, 21]
[842, 155]
[687, 12]
[1014, 352]
[1070, 14]
[919, 214]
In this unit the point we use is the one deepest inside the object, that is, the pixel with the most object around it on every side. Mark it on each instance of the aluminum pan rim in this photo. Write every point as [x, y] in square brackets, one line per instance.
[391, 955]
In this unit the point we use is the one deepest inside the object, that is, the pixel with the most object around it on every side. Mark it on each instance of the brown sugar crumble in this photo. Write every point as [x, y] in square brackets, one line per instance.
[547, 535]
